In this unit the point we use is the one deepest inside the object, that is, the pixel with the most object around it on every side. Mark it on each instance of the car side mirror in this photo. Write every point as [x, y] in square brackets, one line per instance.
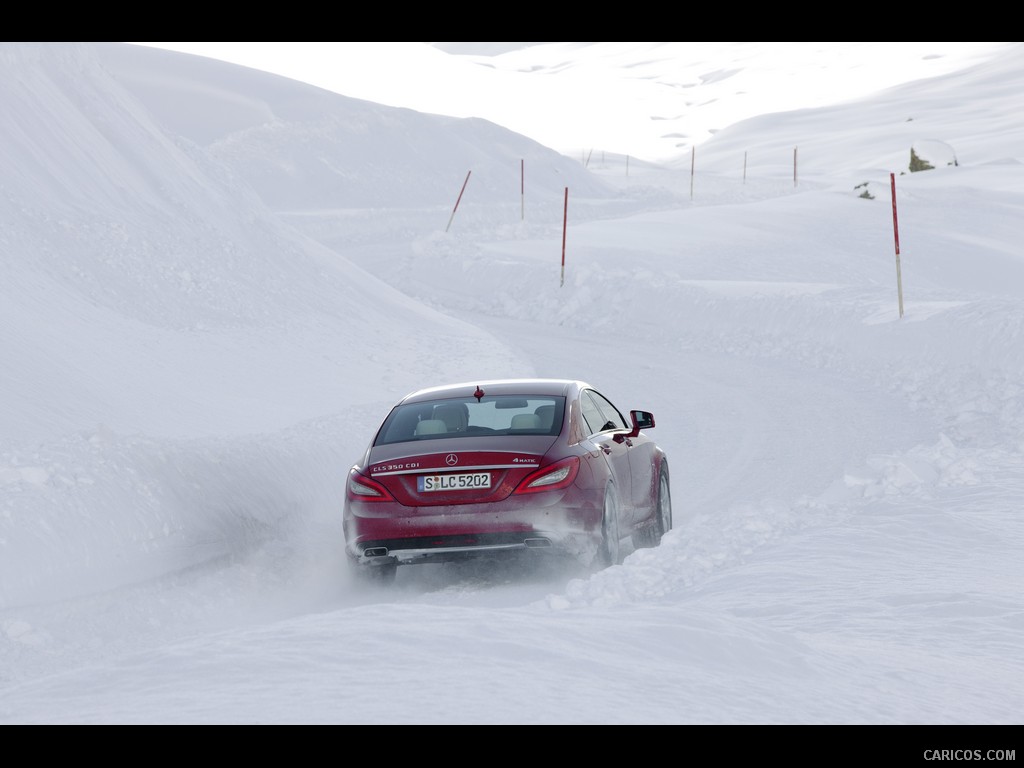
[641, 420]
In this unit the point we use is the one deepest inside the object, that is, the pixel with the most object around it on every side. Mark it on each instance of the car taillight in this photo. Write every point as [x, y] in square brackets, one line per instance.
[552, 477]
[363, 488]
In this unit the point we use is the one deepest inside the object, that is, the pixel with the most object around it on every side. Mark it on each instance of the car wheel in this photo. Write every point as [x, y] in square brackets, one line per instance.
[609, 553]
[662, 523]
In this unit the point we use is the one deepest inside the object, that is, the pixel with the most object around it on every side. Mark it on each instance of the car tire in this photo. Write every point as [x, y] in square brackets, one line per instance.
[662, 522]
[610, 551]
[664, 514]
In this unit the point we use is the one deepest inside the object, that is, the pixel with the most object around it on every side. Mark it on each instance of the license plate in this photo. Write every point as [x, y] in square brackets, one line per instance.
[450, 482]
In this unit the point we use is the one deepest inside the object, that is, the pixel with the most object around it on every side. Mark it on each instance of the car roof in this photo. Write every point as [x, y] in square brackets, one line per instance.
[524, 386]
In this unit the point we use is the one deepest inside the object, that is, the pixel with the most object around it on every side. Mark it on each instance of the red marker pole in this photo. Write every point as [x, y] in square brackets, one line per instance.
[565, 222]
[896, 234]
[457, 200]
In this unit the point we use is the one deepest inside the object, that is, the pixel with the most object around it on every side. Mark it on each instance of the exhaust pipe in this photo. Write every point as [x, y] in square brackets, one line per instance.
[375, 552]
[537, 543]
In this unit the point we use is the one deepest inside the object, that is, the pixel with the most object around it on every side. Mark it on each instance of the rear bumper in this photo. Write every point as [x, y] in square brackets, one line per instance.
[459, 547]
[387, 532]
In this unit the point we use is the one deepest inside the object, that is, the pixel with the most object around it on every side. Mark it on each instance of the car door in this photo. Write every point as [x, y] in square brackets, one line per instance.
[604, 422]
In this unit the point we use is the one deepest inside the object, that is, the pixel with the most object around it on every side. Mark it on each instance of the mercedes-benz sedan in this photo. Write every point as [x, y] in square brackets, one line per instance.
[509, 467]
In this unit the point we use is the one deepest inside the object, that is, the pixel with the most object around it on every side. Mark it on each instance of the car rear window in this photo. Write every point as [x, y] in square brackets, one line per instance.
[468, 417]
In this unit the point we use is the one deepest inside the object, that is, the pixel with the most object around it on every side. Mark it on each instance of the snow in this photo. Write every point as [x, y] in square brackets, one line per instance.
[216, 281]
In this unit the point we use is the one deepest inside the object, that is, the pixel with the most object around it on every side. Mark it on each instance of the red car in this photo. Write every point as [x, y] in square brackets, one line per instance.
[507, 467]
